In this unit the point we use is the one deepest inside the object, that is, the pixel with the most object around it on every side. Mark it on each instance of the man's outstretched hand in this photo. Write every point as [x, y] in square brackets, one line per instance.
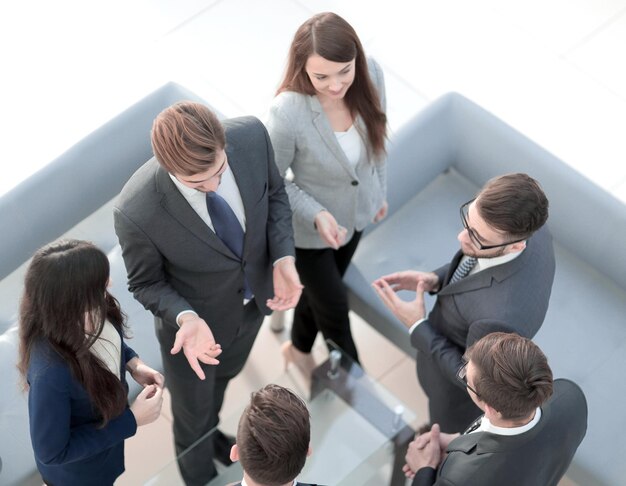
[197, 342]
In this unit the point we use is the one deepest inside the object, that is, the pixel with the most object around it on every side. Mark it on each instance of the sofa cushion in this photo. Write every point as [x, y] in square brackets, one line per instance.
[16, 451]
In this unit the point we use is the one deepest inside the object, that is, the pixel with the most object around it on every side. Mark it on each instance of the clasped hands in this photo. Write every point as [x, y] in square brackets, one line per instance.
[407, 312]
[427, 450]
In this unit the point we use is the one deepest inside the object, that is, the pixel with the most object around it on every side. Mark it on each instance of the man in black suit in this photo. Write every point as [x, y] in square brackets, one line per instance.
[273, 438]
[499, 280]
[206, 236]
[530, 429]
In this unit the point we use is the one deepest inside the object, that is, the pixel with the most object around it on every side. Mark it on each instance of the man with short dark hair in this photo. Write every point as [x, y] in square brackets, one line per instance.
[500, 280]
[206, 236]
[530, 429]
[273, 438]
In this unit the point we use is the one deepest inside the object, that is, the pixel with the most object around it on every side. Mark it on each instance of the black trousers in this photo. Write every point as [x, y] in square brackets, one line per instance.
[196, 403]
[323, 305]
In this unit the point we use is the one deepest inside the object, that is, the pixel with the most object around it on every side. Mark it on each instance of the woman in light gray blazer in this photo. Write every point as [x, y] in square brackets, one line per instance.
[328, 127]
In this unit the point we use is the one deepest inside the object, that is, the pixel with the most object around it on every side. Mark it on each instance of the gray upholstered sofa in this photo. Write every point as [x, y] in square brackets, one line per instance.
[71, 197]
[437, 162]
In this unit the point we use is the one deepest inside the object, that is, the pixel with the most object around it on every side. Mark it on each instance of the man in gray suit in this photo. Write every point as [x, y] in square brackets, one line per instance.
[500, 280]
[530, 429]
[205, 230]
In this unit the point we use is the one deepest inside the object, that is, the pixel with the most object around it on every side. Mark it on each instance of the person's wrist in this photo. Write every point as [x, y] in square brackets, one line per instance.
[187, 315]
[318, 216]
[286, 260]
[185, 318]
[132, 364]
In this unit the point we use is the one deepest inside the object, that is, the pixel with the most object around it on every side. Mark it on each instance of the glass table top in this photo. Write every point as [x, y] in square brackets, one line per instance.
[359, 430]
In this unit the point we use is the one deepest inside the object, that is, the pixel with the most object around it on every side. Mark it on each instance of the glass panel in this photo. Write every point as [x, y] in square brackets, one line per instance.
[354, 422]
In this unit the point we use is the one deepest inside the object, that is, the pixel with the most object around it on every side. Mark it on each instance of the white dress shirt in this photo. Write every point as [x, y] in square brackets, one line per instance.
[227, 189]
[108, 347]
[487, 426]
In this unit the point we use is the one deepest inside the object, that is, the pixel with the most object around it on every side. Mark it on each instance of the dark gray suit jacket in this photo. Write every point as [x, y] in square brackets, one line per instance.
[538, 457]
[512, 297]
[299, 484]
[176, 262]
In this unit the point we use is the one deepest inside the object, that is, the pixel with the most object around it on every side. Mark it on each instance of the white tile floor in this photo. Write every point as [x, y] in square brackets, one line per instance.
[554, 70]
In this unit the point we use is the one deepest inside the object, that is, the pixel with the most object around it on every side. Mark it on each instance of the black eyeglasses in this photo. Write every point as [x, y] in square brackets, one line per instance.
[472, 235]
[461, 375]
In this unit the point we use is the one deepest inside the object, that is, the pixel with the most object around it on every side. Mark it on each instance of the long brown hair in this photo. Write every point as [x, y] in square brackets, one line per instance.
[65, 294]
[334, 39]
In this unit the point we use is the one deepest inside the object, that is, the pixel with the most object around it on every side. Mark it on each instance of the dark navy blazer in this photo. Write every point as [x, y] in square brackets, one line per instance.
[70, 448]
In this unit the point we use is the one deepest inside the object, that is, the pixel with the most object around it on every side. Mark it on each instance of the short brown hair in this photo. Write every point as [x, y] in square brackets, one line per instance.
[512, 374]
[333, 38]
[513, 203]
[273, 436]
[185, 137]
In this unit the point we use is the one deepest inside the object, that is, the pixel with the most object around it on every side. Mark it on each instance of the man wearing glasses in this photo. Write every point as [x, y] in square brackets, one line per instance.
[530, 429]
[499, 280]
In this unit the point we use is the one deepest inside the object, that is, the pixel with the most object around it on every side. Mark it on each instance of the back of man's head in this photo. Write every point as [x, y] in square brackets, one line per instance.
[513, 203]
[512, 374]
[185, 138]
[273, 436]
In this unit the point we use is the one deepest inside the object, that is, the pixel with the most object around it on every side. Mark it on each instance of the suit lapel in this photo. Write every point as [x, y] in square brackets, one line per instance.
[245, 181]
[176, 206]
[483, 278]
[328, 136]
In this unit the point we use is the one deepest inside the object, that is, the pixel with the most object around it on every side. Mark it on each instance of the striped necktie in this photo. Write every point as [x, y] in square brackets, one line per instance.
[473, 426]
[463, 269]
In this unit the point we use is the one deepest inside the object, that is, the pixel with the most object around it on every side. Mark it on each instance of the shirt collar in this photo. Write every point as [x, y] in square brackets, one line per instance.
[487, 426]
[184, 190]
[243, 482]
[485, 263]
[190, 191]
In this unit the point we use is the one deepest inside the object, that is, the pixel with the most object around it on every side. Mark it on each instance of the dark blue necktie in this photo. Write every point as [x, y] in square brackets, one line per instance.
[227, 228]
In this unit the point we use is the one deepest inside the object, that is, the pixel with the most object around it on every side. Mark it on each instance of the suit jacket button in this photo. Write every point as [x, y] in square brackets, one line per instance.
[355, 183]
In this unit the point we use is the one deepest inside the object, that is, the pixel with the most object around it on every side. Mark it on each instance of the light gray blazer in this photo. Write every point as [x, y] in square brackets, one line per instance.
[323, 178]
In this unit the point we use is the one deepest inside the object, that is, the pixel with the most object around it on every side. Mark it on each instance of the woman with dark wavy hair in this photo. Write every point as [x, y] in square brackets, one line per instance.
[328, 127]
[73, 360]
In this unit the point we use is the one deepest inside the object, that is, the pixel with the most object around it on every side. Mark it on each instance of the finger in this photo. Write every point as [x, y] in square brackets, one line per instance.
[145, 392]
[419, 294]
[382, 295]
[206, 359]
[195, 365]
[422, 441]
[159, 379]
[278, 306]
[158, 393]
[178, 343]
[389, 294]
[434, 434]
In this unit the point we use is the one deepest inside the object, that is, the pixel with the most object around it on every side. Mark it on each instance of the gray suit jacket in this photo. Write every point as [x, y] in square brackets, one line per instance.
[323, 178]
[539, 456]
[176, 262]
[512, 297]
